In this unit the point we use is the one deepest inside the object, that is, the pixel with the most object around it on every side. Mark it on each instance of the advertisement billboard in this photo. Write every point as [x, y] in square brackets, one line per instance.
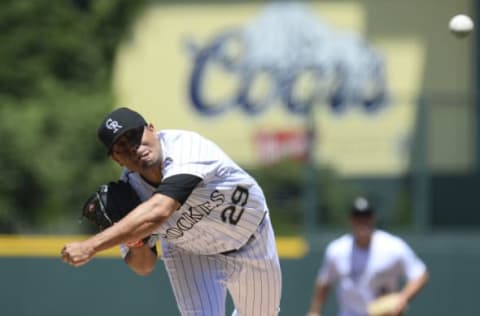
[260, 79]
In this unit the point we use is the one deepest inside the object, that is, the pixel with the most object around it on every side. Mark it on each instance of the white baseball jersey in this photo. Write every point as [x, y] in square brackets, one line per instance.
[220, 214]
[361, 275]
[220, 238]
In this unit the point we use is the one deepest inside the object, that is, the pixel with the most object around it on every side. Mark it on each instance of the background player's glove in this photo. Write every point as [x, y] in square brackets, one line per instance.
[110, 203]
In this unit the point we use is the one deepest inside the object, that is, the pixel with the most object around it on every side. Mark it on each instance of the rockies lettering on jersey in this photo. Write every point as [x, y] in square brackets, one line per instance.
[187, 220]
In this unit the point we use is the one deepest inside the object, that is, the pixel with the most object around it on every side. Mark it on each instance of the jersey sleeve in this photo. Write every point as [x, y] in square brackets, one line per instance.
[412, 265]
[190, 153]
[327, 273]
[179, 186]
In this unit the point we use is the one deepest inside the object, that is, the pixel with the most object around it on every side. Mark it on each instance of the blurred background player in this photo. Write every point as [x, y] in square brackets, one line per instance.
[365, 265]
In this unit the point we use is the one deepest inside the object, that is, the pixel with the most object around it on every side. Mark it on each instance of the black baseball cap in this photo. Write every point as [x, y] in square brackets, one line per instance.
[116, 123]
[361, 206]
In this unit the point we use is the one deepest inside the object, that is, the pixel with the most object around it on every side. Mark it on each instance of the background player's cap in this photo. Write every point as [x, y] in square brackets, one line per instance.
[361, 206]
[116, 123]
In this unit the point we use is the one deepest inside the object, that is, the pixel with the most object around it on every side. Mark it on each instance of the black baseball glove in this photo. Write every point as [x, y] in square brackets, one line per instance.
[110, 203]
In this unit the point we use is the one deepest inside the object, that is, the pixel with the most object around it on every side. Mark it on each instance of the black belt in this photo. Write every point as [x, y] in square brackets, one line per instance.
[250, 239]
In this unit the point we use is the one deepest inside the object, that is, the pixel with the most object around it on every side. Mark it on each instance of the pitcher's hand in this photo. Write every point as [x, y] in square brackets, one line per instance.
[77, 253]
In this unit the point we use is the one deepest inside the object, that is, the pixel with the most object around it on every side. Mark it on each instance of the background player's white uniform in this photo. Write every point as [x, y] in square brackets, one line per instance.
[361, 275]
[220, 238]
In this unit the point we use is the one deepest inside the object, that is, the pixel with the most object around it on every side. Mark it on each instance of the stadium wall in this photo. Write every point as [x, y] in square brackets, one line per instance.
[33, 285]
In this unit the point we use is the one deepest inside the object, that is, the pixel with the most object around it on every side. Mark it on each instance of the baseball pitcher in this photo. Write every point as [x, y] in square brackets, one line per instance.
[210, 216]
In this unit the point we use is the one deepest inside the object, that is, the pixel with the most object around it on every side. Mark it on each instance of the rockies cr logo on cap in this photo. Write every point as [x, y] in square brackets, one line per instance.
[116, 124]
[113, 125]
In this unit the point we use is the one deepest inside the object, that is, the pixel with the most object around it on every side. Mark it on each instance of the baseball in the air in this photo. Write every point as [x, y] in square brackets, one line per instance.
[461, 25]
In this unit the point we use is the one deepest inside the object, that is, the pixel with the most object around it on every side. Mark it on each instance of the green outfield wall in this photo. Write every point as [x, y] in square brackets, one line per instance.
[41, 286]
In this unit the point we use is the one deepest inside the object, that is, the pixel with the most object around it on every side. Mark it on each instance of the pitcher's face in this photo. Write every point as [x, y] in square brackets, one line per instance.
[138, 149]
